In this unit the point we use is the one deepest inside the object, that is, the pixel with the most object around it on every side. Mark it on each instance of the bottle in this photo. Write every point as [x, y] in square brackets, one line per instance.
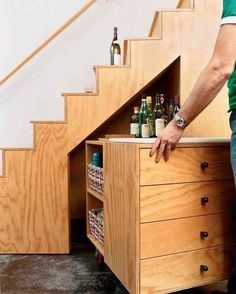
[115, 50]
[134, 123]
[143, 119]
[170, 109]
[176, 106]
[159, 116]
[164, 104]
[150, 116]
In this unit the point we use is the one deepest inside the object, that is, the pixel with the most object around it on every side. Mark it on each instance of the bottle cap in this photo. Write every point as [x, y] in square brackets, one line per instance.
[136, 108]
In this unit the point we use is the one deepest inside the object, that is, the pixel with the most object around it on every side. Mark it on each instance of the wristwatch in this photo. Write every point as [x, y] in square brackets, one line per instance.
[181, 122]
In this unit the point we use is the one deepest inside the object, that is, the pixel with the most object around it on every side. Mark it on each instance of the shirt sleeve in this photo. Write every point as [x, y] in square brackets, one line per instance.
[229, 12]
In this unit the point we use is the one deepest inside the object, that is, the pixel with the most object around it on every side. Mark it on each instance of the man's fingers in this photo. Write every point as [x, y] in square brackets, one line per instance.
[173, 146]
[155, 147]
[167, 152]
[160, 151]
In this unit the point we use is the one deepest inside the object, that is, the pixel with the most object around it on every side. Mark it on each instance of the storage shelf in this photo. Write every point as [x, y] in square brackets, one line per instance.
[95, 194]
[94, 142]
[96, 243]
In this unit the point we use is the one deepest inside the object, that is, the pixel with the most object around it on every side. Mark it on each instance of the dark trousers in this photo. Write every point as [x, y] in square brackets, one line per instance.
[232, 279]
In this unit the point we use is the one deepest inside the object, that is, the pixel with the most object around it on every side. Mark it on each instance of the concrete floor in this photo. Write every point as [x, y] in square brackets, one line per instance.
[78, 273]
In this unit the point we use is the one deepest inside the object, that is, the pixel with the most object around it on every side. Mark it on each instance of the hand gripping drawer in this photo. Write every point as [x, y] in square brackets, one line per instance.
[186, 165]
[184, 200]
[170, 273]
[179, 235]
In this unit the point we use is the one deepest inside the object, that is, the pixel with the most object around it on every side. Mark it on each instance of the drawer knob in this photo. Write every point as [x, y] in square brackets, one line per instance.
[204, 165]
[203, 234]
[204, 200]
[203, 268]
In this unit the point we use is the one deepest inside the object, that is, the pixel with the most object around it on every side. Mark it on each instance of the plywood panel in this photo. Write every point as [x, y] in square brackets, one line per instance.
[184, 200]
[184, 165]
[121, 212]
[183, 270]
[195, 55]
[173, 236]
[34, 197]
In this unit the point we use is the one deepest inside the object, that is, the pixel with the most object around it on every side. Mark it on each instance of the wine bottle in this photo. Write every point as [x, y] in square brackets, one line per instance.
[143, 119]
[158, 116]
[134, 123]
[176, 106]
[170, 109]
[150, 116]
[115, 50]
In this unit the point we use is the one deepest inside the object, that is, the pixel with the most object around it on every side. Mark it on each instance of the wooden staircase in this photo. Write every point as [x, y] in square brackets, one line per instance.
[34, 201]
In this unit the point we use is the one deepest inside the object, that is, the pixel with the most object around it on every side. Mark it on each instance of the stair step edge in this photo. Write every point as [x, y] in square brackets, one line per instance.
[78, 94]
[177, 10]
[17, 149]
[47, 122]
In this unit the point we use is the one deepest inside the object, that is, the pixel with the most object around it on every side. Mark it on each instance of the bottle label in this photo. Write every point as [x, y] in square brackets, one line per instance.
[145, 131]
[134, 129]
[159, 125]
[117, 59]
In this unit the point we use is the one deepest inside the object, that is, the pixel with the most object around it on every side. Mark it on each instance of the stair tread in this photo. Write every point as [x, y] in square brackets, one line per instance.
[143, 39]
[78, 94]
[17, 149]
[176, 10]
[47, 122]
[109, 66]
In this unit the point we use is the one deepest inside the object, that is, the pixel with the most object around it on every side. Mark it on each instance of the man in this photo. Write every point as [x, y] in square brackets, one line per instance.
[220, 69]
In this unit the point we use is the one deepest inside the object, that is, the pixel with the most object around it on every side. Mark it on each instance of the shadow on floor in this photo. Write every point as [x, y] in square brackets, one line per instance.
[77, 273]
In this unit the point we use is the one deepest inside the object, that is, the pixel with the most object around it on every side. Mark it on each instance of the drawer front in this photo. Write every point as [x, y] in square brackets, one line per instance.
[185, 165]
[179, 235]
[185, 200]
[183, 270]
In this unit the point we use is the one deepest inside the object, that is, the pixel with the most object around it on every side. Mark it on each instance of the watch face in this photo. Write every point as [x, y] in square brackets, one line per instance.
[180, 122]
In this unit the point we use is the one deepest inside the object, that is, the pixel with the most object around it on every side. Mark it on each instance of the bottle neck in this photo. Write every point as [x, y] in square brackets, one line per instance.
[158, 100]
[115, 37]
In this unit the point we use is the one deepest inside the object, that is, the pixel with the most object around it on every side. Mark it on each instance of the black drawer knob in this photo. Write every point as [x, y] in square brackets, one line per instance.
[204, 165]
[204, 268]
[204, 200]
[203, 234]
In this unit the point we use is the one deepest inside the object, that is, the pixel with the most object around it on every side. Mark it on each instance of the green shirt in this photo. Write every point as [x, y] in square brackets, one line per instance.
[229, 17]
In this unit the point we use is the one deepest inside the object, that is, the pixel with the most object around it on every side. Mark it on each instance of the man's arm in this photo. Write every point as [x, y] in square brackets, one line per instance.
[208, 85]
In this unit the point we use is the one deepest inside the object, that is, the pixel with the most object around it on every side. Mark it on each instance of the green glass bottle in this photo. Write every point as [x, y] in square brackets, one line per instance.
[170, 109]
[115, 50]
[158, 116]
[150, 116]
[143, 119]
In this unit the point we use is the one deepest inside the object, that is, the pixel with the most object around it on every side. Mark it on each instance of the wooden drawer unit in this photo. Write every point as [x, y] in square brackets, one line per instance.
[179, 271]
[186, 165]
[184, 200]
[163, 221]
[179, 235]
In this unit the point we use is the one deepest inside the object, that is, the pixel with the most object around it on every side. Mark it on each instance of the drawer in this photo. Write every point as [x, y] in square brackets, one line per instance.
[174, 272]
[183, 200]
[179, 235]
[185, 165]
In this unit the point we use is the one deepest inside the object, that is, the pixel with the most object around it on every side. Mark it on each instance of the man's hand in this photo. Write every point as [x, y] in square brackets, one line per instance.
[166, 141]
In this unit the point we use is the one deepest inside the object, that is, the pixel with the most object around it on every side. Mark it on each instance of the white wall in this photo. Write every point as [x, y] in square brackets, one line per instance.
[66, 64]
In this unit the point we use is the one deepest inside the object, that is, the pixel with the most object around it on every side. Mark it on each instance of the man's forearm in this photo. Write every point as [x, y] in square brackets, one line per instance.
[208, 85]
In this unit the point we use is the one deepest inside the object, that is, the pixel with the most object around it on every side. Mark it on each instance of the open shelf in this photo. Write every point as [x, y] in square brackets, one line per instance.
[95, 194]
[96, 243]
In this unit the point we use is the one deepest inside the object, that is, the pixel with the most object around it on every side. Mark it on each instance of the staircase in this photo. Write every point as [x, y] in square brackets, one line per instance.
[34, 201]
